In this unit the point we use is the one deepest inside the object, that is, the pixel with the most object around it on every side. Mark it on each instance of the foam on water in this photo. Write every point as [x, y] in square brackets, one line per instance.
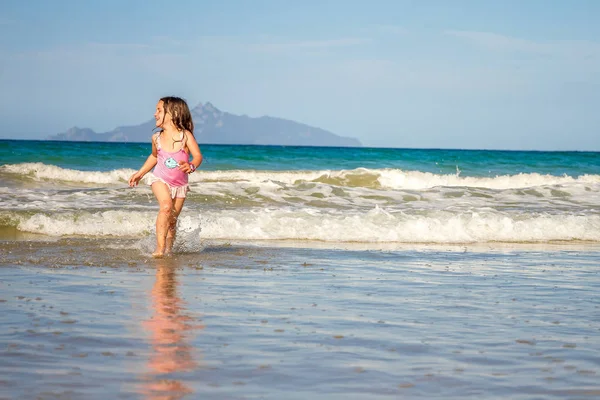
[374, 226]
[359, 205]
[40, 171]
[106, 223]
[360, 177]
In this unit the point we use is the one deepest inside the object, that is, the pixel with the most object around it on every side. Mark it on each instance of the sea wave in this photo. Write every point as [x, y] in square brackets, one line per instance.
[41, 171]
[360, 177]
[375, 226]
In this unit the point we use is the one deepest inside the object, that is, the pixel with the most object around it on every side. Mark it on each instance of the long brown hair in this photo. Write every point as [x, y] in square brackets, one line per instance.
[180, 113]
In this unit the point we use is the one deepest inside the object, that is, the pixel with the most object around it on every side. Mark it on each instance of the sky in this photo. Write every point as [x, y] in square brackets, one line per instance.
[470, 74]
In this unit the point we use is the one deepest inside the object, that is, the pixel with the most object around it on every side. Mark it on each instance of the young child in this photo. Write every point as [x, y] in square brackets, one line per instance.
[170, 158]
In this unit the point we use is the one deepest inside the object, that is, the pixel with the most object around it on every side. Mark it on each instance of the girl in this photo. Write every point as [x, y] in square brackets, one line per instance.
[170, 158]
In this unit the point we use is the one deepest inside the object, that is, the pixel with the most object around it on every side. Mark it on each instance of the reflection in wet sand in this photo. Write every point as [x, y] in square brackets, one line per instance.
[170, 328]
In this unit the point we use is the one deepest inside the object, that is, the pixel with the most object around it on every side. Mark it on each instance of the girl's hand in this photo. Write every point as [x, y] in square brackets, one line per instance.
[135, 179]
[186, 167]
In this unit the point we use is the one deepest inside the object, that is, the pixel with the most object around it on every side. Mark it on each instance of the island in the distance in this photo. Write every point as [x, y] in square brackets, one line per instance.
[213, 126]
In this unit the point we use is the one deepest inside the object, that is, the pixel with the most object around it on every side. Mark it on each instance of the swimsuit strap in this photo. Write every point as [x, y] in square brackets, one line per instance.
[158, 146]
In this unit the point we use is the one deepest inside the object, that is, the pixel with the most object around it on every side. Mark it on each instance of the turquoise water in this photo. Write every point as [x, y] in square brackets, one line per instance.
[88, 156]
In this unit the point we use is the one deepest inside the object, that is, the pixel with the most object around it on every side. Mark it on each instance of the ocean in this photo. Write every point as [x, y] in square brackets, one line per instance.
[309, 194]
[301, 273]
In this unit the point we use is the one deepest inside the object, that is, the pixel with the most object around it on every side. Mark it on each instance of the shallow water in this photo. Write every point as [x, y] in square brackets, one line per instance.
[94, 319]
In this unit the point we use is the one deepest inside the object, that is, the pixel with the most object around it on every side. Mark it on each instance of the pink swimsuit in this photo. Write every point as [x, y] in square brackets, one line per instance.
[166, 170]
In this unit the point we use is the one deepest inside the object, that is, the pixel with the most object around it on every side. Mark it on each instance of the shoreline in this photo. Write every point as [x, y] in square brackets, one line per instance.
[95, 319]
[13, 235]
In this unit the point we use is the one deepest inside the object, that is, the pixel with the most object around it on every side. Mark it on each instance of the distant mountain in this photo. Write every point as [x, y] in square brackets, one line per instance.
[213, 126]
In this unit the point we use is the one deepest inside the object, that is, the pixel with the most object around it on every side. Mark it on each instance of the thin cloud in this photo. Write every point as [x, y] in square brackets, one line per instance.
[117, 46]
[308, 44]
[391, 29]
[558, 48]
[83, 52]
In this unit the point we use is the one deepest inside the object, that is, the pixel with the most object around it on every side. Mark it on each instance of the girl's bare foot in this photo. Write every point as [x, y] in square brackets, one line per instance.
[158, 254]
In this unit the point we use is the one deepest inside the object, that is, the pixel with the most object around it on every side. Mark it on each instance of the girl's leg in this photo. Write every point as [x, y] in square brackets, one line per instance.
[165, 208]
[177, 206]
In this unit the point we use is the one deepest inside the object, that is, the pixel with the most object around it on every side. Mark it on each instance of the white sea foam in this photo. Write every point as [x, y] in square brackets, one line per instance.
[384, 178]
[576, 197]
[361, 206]
[422, 180]
[107, 223]
[397, 179]
[40, 171]
[375, 226]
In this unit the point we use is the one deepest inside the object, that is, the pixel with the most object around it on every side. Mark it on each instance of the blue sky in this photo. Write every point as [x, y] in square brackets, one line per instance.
[431, 74]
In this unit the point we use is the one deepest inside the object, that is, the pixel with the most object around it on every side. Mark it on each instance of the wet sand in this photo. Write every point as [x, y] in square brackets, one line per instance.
[90, 319]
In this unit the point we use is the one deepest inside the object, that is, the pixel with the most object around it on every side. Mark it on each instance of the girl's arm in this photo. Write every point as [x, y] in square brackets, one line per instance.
[148, 165]
[194, 150]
